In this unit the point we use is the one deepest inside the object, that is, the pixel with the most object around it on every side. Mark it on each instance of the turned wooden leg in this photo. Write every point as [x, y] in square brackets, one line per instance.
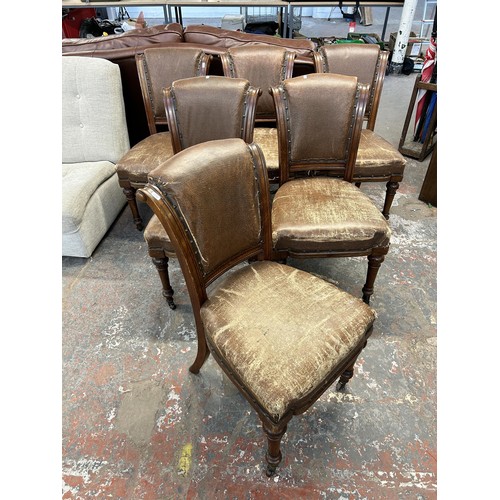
[347, 374]
[162, 268]
[392, 187]
[273, 454]
[345, 377]
[132, 203]
[374, 263]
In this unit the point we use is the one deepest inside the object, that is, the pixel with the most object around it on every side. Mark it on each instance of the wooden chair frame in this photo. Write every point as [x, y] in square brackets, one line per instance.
[344, 169]
[201, 68]
[157, 253]
[392, 180]
[197, 283]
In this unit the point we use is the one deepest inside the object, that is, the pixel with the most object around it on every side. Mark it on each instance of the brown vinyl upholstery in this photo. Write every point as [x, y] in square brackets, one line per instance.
[264, 67]
[378, 160]
[157, 67]
[282, 335]
[314, 213]
[200, 109]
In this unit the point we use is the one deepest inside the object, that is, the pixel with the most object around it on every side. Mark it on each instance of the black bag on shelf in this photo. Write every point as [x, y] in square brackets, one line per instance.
[263, 28]
[93, 27]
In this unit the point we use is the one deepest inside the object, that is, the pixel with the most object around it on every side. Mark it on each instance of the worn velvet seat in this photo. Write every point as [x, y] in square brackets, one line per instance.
[157, 68]
[378, 160]
[264, 67]
[282, 335]
[315, 214]
[200, 109]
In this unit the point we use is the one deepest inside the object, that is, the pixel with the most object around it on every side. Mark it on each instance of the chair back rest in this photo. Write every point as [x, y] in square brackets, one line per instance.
[365, 61]
[159, 67]
[208, 108]
[93, 111]
[213, 201]
[319, 119]
[264, 67]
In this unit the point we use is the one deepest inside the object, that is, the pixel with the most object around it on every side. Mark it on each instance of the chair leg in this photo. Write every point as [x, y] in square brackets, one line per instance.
[132, 203]
[392, 187]
[374, 263]
[348, 372]
[357, 184]
[162, 268]
[345, 377]
[203, 351]
[273, 454]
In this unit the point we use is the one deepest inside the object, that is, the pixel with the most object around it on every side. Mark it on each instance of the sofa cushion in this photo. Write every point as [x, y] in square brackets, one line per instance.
[93, 112]
[209, 35]
[79, 182]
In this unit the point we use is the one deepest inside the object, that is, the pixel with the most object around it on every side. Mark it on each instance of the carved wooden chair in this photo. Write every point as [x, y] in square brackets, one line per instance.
[263, 67]
[315, 214]
[282, 335]
[200, 109]
[378, 160]
[157, 67]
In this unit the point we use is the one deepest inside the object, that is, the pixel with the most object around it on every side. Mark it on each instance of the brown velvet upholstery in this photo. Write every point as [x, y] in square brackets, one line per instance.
[316, 215]
[320, 119]
[209, 108]
[264, 67]
[364, 61]
[134, 167]
[267, 139]
[282, 345]
[157, 67]
[200, 109]
[282, 335]
[378, 160]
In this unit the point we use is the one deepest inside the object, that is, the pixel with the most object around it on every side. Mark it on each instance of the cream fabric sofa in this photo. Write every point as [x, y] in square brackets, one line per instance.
[94, 138]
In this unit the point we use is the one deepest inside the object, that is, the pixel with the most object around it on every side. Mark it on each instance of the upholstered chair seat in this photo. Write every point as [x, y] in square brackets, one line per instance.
[376, 157]
[326, 215]
[272, 342]
[267, 139]
[147, 154]
[156, 236]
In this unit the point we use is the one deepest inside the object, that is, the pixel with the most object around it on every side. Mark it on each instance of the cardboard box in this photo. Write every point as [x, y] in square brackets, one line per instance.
[416, 46]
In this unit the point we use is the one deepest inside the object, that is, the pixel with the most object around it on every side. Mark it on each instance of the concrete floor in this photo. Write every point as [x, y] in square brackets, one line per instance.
[137, 425]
